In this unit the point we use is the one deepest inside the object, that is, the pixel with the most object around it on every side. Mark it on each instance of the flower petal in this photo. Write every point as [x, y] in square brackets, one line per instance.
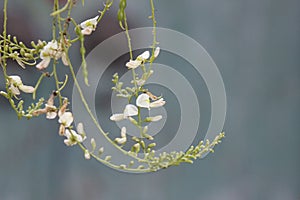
[15, 79]
[14, 90]
[80, 129]
[87, 31]
[143, 101]
[158, 103]
[130, 110]
[123, 132]
[64, 59]
[66, 119]
[44, 63]
[89, 23]
[121, 140]
[26, 88]
[156, 52]
[87, 155]
[51, 115]
[132, 64]
[117, 117]
[154, 119]
[144, 56]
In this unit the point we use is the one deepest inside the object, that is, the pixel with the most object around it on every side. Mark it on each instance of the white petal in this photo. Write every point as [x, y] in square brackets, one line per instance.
[52, 45]
[68, 142]
[72, 137]
[44, 63]
[64, 59]
[130, 110]
[14, 90]
[87, 155]
[158, 103]
[121, 140]
[144, 56]
[26, 88]
[143, 101]
[89, 22]
[86, 31]
[80, 128]
[68, 133]
[66, 119]
[154, 119]
[123, 132]
[78, 138]
[51, 115]
[132, 64]
[15, 79]
[117, 117]
[156, 52]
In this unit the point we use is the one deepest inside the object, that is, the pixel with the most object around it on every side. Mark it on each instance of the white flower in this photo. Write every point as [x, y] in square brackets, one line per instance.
[72, 137]
[121, 140]
[156, 52]
[15, 83]
[123, 132]
[88, 26]
[143, 101]
[26, 88]
[130, 110]
[81, 131]
[154, 119]
[144, 56]
[80, 128]
[132, 64]
[66, 119]
[51, 111]
[160, 102]
[52, 50]
[87, 155]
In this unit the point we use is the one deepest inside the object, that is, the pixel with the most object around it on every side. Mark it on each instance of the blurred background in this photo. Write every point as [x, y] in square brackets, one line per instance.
[256, 46]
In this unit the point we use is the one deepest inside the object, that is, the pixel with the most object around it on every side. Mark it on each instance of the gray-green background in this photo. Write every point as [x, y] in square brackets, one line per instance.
[256, 45]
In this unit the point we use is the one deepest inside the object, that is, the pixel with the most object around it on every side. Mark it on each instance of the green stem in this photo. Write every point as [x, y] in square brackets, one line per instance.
[110, 164]
[130, 53]
[3, 60]
[57, 83]
[37, 85]
[154, 43]
[93, 117]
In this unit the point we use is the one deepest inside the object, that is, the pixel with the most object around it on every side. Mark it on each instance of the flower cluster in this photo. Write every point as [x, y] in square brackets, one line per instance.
[138, 97]
[54, 50]
[142, 101]
[72, 137]
[16, 84]
[88, 26]
[122, 140]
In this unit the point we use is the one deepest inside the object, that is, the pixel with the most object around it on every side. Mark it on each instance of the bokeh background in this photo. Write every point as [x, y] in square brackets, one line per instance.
[256, 45]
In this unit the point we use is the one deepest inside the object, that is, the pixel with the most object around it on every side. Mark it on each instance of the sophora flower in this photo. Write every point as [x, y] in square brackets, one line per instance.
[53, 50]
[65, 120]
[88, 26]
[72, 137]
[16, 84]
[132, 64]
[156, 52]
[122, 140]
[143, 101]
[129, 111]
